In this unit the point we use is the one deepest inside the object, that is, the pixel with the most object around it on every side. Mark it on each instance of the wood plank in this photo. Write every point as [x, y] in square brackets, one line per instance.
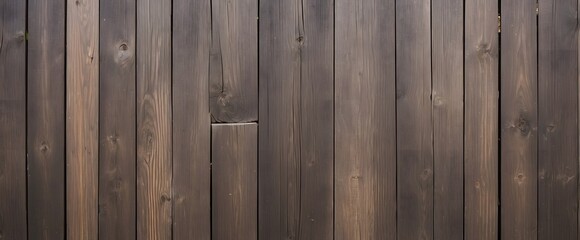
[154, 167]
[117, 130]
[13, 120]
[447, 105]
[519, 119]
[296, 115]
[234, 181]
[558, 119]
[82, 121]
[191, 120]
[46, 119]
[481, 120]
[234, 61]
[414, 121]
[365, 120]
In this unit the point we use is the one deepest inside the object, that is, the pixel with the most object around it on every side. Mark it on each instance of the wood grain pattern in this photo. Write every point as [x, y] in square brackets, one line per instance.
[558, 119]
[82, 121]
[46, 119]
[365, 194]
[234, 181]
[481, 120]
[154, 162]
[519, 120]
[234, 61]
[296, 115]
[414, 121]
[13, 120]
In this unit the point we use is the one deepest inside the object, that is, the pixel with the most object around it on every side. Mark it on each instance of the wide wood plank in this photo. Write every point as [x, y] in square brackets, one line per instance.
[414, 121]
[82, 120]
[365, 150]
[13, 119]
[234, 181]
[296, 115]
[234, 61]
[519, 120]
[191, 120]
[558, 119]
[154, 168]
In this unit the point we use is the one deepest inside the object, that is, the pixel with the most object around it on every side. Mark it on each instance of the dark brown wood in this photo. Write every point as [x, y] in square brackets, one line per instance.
[154, 167]
[234, 61]
[117, 126]
[447, 104]
[365, 194]
[13, 120]
[558, 119]
[82, 118]
[234, 181]
[191, 120]
[296, 115]
[414, 121]
[519, 120]
[481, 120]
[46, 119]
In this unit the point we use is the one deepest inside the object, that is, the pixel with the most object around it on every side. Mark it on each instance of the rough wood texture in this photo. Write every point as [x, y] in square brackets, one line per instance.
[519, 120]
[447, 105]
[12, 119]
[234, 181]
[296, 115]
[154, 167]
[191, 120]
[558, 119]
[46, 119]
[234, 61]
[365, 120]
[117, 156]
[481, 120]
[414, 121]
[82, 118]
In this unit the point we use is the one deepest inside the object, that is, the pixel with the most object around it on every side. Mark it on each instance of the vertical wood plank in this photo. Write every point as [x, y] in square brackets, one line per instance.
[13, 119]
[414, 121]
[558, 119]
[234, 61]
[365, 120]
[447, 105]
[296, 115]
[191, 120]
[234, 181]
[82, 122]
[117, 130]
[154, 167]
[46, 119]
[519, 118]
[481, 120]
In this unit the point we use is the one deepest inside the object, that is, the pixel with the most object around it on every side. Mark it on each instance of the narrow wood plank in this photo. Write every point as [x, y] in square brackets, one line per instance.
[154, 167]
[191, 120]
[414, 121]
[365, 120]
[558, 119]
[82, 121]
[296, 115]
[46, 119]
[519, 119]
[447, 105]
[13, 120]
[234, 181]
[481, 120]
[117, 129]
[234, 61]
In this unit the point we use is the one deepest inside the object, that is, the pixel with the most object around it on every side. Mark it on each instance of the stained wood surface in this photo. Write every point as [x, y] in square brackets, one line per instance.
[365, 151]
[234, 181]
